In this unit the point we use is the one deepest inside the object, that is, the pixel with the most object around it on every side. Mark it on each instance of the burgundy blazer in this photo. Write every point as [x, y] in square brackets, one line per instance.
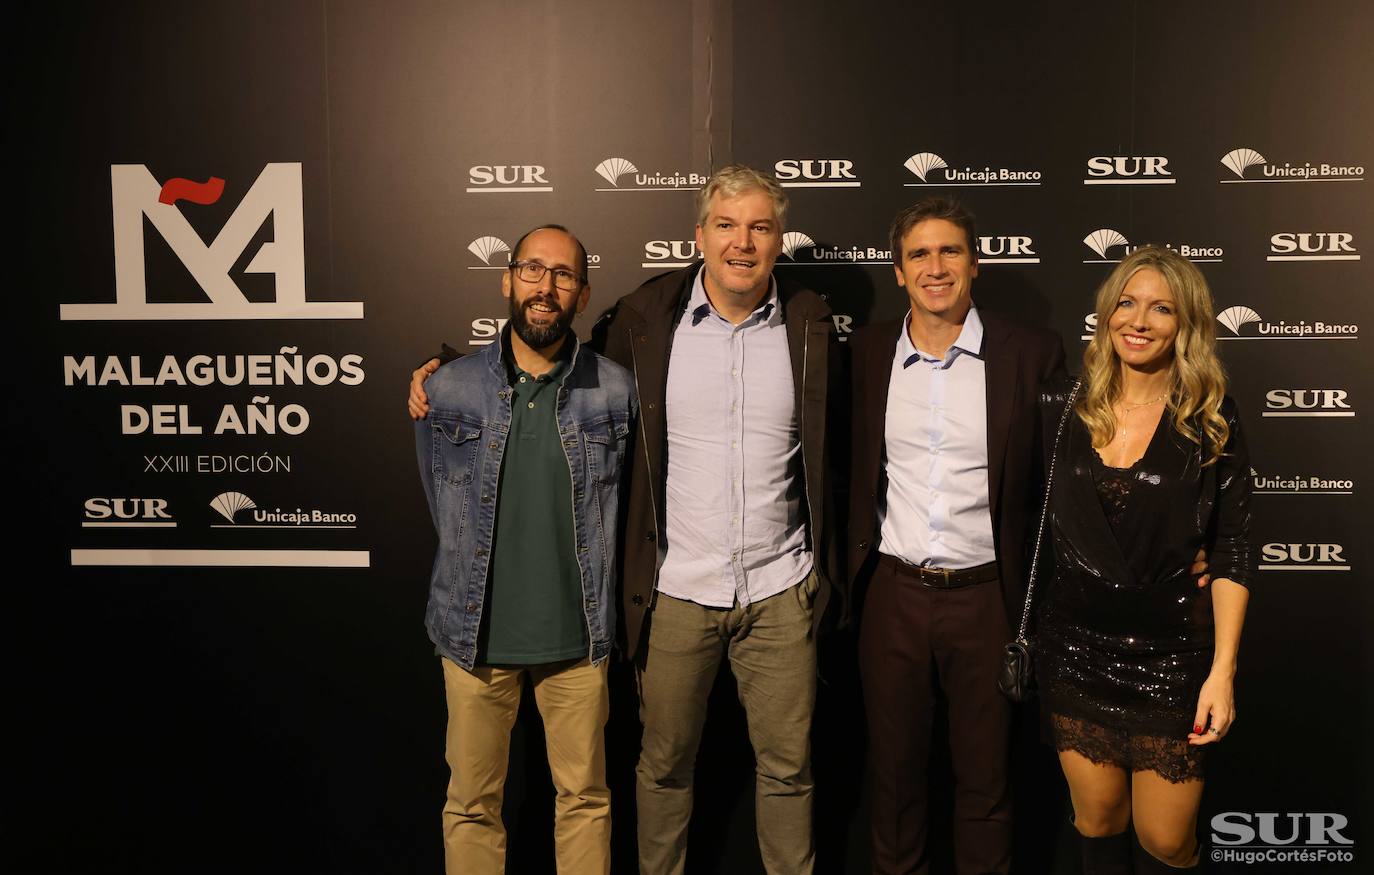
[1017, 359]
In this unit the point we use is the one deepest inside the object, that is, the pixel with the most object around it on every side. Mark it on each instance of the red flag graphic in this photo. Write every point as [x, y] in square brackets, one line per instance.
[179, 189]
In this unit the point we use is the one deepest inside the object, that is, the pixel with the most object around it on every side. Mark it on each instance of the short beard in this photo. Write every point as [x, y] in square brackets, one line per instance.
[535, 337]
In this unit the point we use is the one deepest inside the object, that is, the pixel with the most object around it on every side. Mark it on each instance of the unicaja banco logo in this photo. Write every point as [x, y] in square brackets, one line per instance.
[616, 171]
[795, 243]
[227, 504]
[494, 254]
[487, 248]
[933, 170]
[276, 193]
[1104, 240]
[1241, 161]
[1235, 320]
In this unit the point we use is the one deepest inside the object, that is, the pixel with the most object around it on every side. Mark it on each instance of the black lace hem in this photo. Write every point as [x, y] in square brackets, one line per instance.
[1174, 760]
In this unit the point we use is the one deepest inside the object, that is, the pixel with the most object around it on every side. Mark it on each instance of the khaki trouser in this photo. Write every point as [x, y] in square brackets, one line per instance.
[482, 706]
[773, 657]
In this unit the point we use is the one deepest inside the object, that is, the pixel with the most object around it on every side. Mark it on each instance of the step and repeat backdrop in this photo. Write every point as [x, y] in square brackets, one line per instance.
[245, 223]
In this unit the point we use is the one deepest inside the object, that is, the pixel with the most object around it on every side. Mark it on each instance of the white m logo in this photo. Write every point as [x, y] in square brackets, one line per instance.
[276, 192]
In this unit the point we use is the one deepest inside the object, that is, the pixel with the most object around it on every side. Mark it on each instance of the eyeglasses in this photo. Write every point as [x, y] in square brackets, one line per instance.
[533, 272]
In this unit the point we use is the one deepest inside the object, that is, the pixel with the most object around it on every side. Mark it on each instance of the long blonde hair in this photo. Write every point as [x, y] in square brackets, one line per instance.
[1197, 382]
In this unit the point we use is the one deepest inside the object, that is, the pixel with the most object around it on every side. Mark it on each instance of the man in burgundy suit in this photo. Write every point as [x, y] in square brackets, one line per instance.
[944, 495]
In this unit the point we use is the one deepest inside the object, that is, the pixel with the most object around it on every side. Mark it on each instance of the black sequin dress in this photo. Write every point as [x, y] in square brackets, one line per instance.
[1125, 635]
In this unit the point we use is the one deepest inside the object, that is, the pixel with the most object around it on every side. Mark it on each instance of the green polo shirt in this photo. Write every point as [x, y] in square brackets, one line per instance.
[534, 611]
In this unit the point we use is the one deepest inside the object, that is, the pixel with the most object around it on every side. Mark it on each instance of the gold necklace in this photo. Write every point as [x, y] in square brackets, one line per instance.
[1127, 408]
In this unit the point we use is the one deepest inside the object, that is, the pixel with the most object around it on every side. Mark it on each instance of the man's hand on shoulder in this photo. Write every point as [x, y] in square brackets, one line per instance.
[418, 402]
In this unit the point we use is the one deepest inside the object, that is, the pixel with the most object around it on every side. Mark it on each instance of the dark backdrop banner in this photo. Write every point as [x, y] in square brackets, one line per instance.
[244, 224]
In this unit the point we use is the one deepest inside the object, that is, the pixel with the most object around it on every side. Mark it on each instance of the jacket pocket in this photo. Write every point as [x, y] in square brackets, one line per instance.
[605, 444]
[455, 451]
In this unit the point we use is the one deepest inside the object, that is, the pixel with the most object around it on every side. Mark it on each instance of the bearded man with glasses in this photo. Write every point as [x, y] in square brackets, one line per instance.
[520, 458]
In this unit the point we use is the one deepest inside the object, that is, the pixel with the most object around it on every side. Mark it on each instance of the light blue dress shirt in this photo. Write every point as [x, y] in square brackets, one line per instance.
[935, 510]
[734, 525]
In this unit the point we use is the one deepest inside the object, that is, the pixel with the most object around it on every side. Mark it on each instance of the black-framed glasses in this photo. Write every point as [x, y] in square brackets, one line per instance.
[533, 272]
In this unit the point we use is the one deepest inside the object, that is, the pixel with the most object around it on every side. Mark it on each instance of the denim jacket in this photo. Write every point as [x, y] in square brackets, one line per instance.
[459, 447]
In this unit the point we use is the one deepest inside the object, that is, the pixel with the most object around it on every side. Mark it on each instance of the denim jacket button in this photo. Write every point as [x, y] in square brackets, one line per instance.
[486, 499]
[481, 551]
[472, 609]
[492, 445]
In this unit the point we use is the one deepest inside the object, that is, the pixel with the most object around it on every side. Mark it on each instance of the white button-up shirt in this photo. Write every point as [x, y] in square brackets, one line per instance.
[734, 526]
[935, 509]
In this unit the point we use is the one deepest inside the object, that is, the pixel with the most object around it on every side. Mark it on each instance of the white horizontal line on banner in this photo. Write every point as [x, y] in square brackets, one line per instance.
[129, 525]
[1314, 413]
[1008, 260]
[487, 267]
[279, 526]
[820, 184]
[1296, 179]
[666, 263]
[1313, 258]
[208, 310]
[226, 558]
[1304, 492]
[513, 188]
[479, 343]
[1129, 181]
[826, 263]
[959, 184]
[1303, 567]
[1297, 337]
[663, 188]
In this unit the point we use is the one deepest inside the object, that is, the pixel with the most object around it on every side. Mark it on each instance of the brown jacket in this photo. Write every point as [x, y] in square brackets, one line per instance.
[1018, 358]
[638, 334]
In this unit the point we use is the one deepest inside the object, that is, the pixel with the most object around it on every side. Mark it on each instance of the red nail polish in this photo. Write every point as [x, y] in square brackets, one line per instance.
[1197, 729]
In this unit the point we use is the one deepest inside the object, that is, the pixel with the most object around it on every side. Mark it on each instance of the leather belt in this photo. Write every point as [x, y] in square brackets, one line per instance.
[940, 578]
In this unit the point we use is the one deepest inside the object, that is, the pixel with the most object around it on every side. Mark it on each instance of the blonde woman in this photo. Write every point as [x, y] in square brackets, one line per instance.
[1136, 661]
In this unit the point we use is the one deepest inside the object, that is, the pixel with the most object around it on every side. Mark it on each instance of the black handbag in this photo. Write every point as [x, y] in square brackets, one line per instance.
[1016, 679]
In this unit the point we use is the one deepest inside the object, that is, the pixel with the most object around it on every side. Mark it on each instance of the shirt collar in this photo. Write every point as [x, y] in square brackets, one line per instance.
[699, 305]
[969, 341]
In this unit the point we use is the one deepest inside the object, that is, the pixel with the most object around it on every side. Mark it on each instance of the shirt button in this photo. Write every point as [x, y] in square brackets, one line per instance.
[531, 405]
[522, 379]
[734, 372]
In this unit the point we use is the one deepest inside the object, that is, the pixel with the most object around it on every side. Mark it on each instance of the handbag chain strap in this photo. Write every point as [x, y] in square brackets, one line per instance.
[1044, 514]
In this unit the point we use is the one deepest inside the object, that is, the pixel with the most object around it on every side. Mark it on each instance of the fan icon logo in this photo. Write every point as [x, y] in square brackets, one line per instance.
[1240, 161]
[623, 175]
[487, 248]
[932, 170]
[227, 504]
